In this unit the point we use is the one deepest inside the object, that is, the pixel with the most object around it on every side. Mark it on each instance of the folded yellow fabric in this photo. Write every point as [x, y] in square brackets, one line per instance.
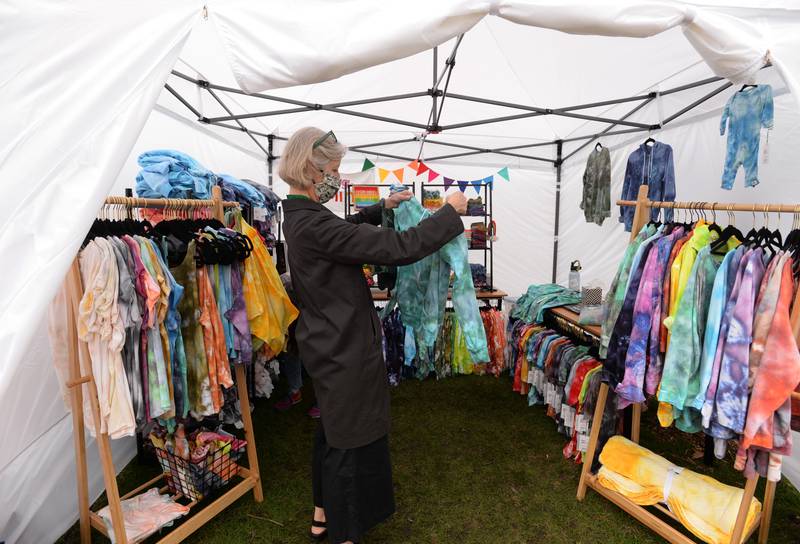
[705, 506]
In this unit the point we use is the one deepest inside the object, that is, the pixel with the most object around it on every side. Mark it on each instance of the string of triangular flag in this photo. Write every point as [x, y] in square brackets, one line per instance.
[421, 168]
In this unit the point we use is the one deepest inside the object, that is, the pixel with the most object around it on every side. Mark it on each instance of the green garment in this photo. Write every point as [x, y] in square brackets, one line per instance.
[616, 293]
[531, 306]
[422, 289]
[681, 378]
[199, 389]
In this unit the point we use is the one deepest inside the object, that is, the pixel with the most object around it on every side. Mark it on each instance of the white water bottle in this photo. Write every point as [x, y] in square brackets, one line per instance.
[575, 276]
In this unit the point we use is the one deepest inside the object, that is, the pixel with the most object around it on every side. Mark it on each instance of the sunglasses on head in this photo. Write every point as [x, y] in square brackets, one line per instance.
[321, 139]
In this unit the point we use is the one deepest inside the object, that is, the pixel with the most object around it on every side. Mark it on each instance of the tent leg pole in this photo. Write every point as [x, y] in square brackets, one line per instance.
[559, 145]
[270, 158]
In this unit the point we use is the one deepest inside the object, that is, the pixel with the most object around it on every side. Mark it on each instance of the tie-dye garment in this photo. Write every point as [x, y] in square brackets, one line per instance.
[703, 505]
[732, 390]
[614, 365]
[768, 424]
[716, 309]
[422, 291]
[667, 291]
[643, 347]
[616, 293]
[681, 379]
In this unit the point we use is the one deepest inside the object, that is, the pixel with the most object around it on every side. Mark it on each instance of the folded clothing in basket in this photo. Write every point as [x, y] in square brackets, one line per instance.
[197, 464]
[144, 515]
[705, 506]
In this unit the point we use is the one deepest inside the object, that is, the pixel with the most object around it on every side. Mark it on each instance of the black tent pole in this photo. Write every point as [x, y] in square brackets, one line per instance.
[559, 145]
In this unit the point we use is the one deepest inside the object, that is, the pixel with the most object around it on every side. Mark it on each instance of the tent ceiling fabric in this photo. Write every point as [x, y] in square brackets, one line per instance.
[376, 34]
[79, 80]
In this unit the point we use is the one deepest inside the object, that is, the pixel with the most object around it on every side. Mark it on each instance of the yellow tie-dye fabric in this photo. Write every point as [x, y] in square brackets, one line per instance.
[705, 506]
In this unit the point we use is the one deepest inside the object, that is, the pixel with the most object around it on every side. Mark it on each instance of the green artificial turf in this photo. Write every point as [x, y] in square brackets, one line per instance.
[472, 464]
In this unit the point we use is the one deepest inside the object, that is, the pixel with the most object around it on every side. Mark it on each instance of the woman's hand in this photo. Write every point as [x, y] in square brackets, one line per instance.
[458, 201]
[395, 199]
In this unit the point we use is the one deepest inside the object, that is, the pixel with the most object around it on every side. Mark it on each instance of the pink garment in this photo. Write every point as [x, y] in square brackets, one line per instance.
[769, 412]
[145, 514]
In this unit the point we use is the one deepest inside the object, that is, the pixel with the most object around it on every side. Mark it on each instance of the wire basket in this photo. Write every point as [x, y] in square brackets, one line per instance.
[196, 479]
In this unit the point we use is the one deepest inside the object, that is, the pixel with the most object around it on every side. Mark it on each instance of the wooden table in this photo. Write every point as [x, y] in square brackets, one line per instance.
[572, 317]
[383, 296]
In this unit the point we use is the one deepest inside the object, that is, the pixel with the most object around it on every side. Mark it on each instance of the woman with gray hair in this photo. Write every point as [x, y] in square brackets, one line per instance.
[339, 333]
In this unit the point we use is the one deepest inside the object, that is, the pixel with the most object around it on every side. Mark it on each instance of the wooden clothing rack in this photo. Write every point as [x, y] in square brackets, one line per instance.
[249, 477]
[668, 532]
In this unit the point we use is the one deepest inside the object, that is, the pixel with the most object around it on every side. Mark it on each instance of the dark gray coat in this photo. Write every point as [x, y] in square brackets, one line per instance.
[338, 331]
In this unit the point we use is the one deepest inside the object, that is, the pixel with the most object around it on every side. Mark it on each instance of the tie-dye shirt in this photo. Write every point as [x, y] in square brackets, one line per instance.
[422, 291]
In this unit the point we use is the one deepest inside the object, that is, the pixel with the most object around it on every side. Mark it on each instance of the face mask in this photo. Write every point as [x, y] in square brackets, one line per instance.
[328, 187]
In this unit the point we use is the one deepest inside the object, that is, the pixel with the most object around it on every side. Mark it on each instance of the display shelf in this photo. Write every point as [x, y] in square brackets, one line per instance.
[381, 295]
[573, 318]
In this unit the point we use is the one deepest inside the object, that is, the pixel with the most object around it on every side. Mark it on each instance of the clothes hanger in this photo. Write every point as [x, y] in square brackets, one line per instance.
[598, 146]
[728, 232]
[713, 225]
[747, 85]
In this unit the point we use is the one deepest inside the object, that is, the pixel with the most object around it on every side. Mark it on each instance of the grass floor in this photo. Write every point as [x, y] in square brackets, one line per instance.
[472, 464]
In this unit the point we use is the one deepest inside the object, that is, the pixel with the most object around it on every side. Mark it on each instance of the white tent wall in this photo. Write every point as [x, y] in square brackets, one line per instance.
[78, 82]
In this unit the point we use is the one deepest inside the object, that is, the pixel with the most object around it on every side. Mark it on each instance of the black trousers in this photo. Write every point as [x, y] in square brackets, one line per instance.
[354, 486]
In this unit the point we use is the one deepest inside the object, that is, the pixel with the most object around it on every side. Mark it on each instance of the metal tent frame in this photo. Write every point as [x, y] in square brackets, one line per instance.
[433, 126]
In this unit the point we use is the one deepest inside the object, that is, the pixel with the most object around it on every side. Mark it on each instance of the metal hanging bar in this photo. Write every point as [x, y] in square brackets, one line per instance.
[697, 102]
[245, 129]
[434, 117]
[608, 129]
[377, 144]
[484, 151]
[545, 111]
[182, 100]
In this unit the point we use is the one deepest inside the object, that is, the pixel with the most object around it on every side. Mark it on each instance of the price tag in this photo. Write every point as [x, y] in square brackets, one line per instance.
[582, 424]
[565, 415]
[539, 379]
[583, 442]
[259, 214]
[549, 394]
[557, 401]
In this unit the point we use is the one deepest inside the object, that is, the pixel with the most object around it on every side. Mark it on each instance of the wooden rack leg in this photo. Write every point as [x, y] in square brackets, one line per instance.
[636, 421]
[103, 442]
[749, 491]
[641, 215]
[252, 456]
[588, 457]
[766, 512]
[76, 402]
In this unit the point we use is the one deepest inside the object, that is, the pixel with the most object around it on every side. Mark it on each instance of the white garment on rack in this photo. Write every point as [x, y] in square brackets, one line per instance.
[58, 317]
[100, 325]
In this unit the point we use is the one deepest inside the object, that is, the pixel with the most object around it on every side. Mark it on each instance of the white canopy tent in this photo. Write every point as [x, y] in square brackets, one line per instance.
[83, 94]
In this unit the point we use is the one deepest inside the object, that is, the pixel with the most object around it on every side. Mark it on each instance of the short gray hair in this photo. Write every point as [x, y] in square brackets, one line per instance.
[300, 153]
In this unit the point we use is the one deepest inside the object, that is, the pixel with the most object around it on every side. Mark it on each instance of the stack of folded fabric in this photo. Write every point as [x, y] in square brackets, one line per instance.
[475, 206]
[478, 275]
[432, 200]
[705, 506]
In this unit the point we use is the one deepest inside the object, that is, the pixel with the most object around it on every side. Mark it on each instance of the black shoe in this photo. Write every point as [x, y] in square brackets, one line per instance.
[318, 537]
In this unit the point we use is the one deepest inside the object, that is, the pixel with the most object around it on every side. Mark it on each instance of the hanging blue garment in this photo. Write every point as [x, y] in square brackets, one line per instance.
[652, 166]
[422, 287]
[171, 174]
[744, 115]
